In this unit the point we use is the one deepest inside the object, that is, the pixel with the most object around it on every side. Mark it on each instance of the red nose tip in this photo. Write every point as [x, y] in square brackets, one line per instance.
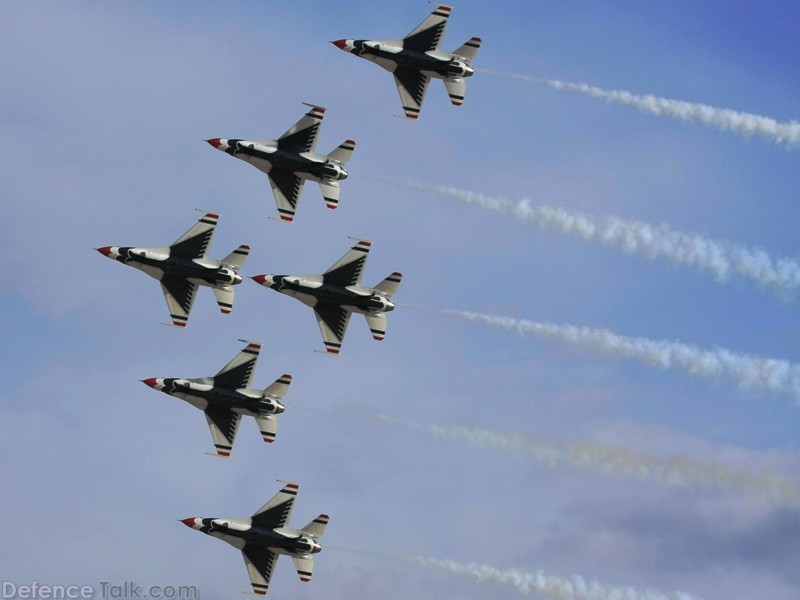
[150, 382]
[215, 142]
[189, 522]
[259, 279]
[105, 250]
[340, 44]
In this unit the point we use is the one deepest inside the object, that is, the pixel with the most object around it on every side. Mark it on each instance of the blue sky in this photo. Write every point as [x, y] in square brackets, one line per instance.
[105, 108]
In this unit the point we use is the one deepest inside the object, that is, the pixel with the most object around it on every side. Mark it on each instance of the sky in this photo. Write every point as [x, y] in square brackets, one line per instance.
[105, 107]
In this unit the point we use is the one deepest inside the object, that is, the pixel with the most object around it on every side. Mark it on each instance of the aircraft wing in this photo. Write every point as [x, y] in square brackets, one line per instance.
[333, 321]
[428, 34]
[304, 564]
[412, 85]
[286, 187]
[278, 509]
[238, 373]
[347, 270]
[223, 424]
[302, 136]
[180, 295]
[196, 242]
[260, 563]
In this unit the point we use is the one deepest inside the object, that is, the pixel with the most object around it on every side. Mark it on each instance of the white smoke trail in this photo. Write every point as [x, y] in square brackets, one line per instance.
[746, 370]
[552, 586]
[654, 241]
[726, 119]
[528, 582]
[672, 471]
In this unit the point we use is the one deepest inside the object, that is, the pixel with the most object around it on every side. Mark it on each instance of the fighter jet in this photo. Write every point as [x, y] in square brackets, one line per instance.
[184, 265]
[416, 58]
[337, 293]
[228, 395]
[291, 159]
[264, 536]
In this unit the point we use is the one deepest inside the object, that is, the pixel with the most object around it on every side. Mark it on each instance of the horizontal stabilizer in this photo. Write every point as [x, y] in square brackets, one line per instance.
[469, 50]
[235, 259]
[389, 285]
[317, 527]
[268, 426]
[343, 153]
[330, 191]
[224, 296]
[377, 325]
[304, 563]
[456, 89]
[280, 387]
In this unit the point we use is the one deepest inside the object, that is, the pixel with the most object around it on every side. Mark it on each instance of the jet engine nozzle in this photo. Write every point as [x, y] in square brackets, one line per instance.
[380, 303]
[308, 545]
[229, 276]
[459, 68]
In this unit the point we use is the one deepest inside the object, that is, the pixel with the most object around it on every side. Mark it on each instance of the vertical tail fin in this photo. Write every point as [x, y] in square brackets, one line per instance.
[236, 258]
[469, 50]
[317, 527]
[389, 285]
[343, 153]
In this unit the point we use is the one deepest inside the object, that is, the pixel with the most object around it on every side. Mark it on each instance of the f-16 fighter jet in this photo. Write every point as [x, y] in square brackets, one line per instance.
[185, 265]
[264, 536]
[337, 293]
[291, 159]
[228, 395]
[416, 58]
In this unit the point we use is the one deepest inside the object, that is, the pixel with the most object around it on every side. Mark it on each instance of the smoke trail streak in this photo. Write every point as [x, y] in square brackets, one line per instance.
[745, 124]
[529, 582]
[719, 257]
[672, 471]
[746, 370]
[552, 586]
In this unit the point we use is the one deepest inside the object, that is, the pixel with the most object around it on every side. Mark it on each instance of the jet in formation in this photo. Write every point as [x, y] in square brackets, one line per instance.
[264, 536]
[416, 58]
[184, 266]
[228, 395]
[337, 293]
[290, 160]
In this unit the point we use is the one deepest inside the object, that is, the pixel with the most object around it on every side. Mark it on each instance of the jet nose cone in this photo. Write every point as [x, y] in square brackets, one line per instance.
[152, 382]
[216, 142]
[341, 44]
[105, 250]
[262, 279]
[190, 522]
